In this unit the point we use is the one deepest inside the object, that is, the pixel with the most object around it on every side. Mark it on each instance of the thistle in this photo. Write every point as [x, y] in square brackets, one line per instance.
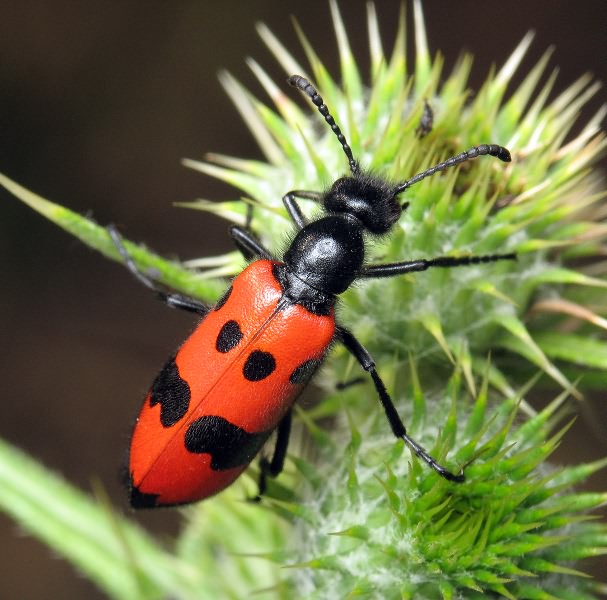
[460, 350]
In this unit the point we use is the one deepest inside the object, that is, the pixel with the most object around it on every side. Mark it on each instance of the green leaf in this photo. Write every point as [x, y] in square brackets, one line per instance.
[118, 556]
[245, 105]
[521, 342]
[582, 350]
[560, 275]
[170, 273]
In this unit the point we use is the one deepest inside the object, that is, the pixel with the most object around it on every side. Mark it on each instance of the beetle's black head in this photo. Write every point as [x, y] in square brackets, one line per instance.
[370, 199]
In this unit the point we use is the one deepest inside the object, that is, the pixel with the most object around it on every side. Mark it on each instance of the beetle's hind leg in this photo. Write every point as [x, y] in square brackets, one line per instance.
[272, 468]
[398, 428]
[173, 299]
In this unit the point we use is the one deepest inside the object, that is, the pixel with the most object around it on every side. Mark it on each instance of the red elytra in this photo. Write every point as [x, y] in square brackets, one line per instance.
[210, 382]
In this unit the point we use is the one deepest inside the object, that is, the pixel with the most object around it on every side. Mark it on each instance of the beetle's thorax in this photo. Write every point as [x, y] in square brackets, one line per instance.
[323, 260]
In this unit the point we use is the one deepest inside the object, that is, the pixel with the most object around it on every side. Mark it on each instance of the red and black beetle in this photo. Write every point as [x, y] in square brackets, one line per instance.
[235, 379]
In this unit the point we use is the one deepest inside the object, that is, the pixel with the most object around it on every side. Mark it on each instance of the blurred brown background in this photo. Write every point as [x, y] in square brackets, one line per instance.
[98, 104]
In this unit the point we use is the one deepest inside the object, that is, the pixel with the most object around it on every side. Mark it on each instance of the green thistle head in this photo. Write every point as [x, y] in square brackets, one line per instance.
[537, 205]
[378, 524]
[360, 516]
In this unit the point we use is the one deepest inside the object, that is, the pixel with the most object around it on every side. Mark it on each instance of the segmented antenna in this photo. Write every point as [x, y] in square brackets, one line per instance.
[482, 150]
[302, 84]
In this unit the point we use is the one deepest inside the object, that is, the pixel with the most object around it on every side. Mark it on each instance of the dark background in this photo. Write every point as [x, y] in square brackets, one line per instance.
[98, 104]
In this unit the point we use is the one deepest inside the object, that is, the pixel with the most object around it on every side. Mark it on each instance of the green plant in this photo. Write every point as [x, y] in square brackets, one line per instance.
[378, 524]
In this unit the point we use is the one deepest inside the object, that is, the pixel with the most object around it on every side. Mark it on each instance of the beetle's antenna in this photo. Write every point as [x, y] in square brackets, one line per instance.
[482, 150]
[301, 83]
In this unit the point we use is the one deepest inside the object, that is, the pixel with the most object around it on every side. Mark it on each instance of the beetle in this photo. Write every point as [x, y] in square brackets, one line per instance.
[235, 379]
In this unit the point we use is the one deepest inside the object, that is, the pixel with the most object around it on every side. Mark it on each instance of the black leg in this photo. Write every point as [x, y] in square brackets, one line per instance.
[272, 468]
[399, 268]
[248, 216]
[398, 428]
[290, 202]
[344, 385]
[173, 299]
[246, 242]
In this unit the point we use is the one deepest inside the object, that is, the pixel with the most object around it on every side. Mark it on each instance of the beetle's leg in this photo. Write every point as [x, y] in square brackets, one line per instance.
[398, 428]
[272, 468]
[173, 299]
[344, 385]
[409, 266]
[248, 244]
[248, 216]
[290, 202]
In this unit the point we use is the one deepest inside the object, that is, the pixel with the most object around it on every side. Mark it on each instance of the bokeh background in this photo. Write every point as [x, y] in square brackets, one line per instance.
[99, 101]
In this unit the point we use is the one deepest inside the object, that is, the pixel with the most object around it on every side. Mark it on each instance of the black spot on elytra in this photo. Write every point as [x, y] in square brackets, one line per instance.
[259, 365]
[223, 299]
[141, 499]
[304, 371]
[172, 393]
[229, 337]
[229, 446]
